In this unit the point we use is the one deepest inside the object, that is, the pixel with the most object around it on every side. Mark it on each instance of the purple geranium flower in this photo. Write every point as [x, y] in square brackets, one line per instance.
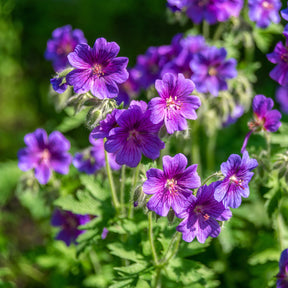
[171, 187]
[98, 69]
[45, 154]
[284, 13]
[64, 40]
[135, 134]
[58, 84]
[209, 10]
[264, 117]
[237, 173]
[93, 158]
[280, 57]
[201, 215]
[282, 276]
[175, 104]
[282, 98]
[210, 70]
[264, 11]
[69, 223]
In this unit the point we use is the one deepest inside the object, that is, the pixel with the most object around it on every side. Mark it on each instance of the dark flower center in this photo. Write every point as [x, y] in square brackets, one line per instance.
[200, 211]
[284, 57]
[97, 70]
[64, 49]
[134, 135]
[70, 222]
[171, 185]
[202, 3]
[171, 103]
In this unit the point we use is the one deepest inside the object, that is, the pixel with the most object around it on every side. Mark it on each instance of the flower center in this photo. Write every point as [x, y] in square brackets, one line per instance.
[202, 3]
[64, 48]
[97, 70]
[284, 57]
[258, 123]
[199, 211]
[238, 182]
[212, 71]
[171, 103]
[267, 5]
[45, 156]
[171, 185]
[134, 135]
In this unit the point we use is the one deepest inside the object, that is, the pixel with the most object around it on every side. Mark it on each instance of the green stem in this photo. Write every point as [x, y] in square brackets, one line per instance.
[136, 175]
[206, 29]
[195, 149]
[111, 182]
[268, 143]
[176, 237]
[210, 152]
[216, 174]
[122, 188]
[218, 32]
[158, 278]
[151, 239]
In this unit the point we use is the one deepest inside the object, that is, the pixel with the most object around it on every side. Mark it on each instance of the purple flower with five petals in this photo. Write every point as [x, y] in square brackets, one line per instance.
[97, 69]
[264, 117]
[69, 223]
[282, 276]
[45, 154]
[237, 175]
[201, 215]
[264, 11]
[210, 70]
[135, 134]
[172, 186]
[280, 57]
[175, 104]
[64, 40]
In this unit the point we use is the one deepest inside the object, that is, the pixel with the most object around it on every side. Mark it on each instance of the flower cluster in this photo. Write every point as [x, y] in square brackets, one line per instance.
[205, 65]
[171, 188]
[45, 154]
[69, 223]
[64, 40]
[211, 11]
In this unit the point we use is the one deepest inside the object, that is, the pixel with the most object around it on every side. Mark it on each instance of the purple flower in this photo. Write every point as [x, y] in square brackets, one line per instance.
[264, 117]
[280, 57]
[234, 116]
[69, 223]
[284, 13]
[58, 85]
[201, 216]
[189, 46]
[282, 276]
[93, 158]
[237, 173]
[172, 186]
[209, 10]
[210, 70]
[106, 125]
[264, 11]
[64, 40]
[135, 134]
[282, 98]
[104, 233]
[45, 154]
[175, 104]
[97, 69]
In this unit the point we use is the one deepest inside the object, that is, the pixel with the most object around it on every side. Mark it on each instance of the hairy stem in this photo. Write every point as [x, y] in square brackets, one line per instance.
[135, 179]
[151, 238]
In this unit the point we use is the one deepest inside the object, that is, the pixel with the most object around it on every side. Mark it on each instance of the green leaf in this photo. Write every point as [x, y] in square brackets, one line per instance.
[83, 203]
[118, 249]
[72, 122]
[93, 186]
[122, 284]
[272, 204]
[142, 284]
[132, 269]
[264, 256]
